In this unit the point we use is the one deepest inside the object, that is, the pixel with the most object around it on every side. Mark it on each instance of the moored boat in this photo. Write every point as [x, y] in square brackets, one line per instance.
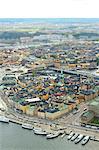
[78, 139]
[70, 136]
[63, 135]
[85, 140]
[4, 119]
[74, 137]
[40, 132]
[97, 71]
[52, 135]
[27, 126]
[37, 129]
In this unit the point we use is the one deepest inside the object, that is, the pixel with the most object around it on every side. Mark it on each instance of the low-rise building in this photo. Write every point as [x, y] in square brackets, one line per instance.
[87, 117]
[94, 106]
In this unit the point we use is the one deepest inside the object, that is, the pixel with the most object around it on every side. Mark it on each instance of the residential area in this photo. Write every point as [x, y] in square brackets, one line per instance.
[51, 72]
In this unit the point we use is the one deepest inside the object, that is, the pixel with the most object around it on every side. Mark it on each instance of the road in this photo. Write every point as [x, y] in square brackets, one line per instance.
[67, 122]
[76, 72]
[70, 121]
[73, 118]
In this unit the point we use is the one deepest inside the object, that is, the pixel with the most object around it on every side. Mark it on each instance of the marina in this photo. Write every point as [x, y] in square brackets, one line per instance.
[31, 141]
[76, 137]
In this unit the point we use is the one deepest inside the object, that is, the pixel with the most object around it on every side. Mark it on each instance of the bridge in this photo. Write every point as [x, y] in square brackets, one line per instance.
[86, 74]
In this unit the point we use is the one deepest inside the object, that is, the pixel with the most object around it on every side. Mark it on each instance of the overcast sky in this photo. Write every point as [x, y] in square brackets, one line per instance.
[49, 8]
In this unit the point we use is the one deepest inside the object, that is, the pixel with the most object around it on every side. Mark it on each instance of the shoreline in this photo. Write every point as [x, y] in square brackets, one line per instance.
[63, 134]
[47, 125]
[67, 129]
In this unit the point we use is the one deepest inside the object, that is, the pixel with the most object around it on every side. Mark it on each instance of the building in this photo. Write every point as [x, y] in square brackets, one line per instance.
[94, 106]
[87, 117]
[93, 111]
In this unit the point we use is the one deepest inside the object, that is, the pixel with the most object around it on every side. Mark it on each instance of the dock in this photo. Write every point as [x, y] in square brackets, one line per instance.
[63, 133]
[15, 121]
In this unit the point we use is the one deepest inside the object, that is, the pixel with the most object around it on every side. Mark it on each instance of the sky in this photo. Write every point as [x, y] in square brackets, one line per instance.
[49, 9]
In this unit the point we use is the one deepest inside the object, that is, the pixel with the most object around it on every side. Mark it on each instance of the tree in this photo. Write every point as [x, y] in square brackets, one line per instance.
[97, 60]
[33, 73]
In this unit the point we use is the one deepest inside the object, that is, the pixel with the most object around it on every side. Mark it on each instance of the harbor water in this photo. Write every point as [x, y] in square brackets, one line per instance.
[14, 137]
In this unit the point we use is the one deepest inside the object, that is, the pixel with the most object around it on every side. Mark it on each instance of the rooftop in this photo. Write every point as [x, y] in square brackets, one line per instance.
[37, 99]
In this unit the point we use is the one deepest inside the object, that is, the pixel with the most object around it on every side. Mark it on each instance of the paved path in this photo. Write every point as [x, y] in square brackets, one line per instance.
[2, 104]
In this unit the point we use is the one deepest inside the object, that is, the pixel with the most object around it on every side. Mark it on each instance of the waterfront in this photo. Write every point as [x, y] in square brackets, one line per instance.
[49, 79]
[13, 137]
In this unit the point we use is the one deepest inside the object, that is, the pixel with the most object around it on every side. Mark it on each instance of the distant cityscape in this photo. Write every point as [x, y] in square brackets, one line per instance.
[49, 76]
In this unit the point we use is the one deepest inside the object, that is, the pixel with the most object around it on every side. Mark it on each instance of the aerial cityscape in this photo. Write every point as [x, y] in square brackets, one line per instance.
[49, 84]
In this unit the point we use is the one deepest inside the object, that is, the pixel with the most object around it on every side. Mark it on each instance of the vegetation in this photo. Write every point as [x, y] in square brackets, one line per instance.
[13, 35]
[54, 56]
[34, 73]
[97, 60]
[95, 120]
[83, 34]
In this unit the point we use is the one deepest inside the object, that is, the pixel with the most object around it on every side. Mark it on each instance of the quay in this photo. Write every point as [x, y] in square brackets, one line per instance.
[96, 140]
[63, 133]
[64, 128]
[15, 121]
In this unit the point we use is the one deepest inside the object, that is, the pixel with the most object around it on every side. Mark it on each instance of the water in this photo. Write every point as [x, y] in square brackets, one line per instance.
[13, 137]
[49, 20]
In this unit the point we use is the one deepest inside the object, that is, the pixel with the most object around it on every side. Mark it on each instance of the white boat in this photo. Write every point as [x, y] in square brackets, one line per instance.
[70, 136]
[78, 139]
[37, 129]
[88, 126]
[85, 140]
[97, 71]
[4, 119]
[52, 135]
[74, 137]
[63, 135]
[94, 127]
[40, 132]
[27, 126]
